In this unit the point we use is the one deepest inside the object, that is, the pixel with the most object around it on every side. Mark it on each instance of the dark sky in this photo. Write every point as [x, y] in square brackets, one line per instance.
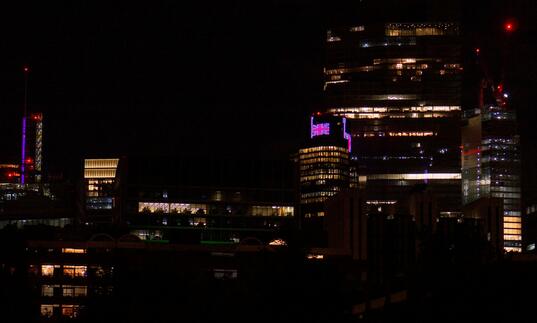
[163, 77]
[183, 78]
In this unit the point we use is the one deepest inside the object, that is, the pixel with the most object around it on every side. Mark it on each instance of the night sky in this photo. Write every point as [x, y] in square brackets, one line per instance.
[182, 78]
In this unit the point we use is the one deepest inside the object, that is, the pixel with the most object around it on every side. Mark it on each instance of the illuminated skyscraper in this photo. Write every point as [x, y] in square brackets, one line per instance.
[491, 161]
[32, 140]
[324, 163]
[399, 86]
[32, 161]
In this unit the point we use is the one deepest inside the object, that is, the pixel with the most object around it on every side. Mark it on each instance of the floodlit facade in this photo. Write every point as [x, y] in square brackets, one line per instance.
[399, 86]
[491, 163]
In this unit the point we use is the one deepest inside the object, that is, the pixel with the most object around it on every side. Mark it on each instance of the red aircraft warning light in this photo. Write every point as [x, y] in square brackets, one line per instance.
[509, 26]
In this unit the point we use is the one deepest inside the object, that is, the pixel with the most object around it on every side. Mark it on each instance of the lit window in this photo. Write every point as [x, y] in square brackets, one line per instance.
[47, 270]
[73, 250]
[48, 290]
[74, 271]
[70, 311]
[357, 28]
[277, 242]
[74, 291]
[47, 310]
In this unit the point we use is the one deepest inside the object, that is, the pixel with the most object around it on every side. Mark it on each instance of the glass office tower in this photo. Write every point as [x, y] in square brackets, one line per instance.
[323, 163]
[491, 161]
[399, 86]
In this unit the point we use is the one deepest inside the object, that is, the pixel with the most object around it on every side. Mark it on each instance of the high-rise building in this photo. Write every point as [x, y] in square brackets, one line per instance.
[399, 86]
[100, 180]
[491, 160]
[323, 163]
[32, 148]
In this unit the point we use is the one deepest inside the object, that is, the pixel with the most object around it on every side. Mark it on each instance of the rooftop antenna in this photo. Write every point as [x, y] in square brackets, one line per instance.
[26, 71]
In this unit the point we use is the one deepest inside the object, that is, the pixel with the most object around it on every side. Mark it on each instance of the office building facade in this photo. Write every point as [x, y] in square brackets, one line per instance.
[399, 86]
[323, 163]
[491, 160]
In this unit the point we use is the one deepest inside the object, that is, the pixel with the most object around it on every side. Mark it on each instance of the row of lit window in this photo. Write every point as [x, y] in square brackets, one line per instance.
[425, 108]
[320, 194]
[400, 66]
[394, 116]
[335, 161]
[512, 225]
[331, 167]
[386, 97]
[512, 237]
[316, 170]
[322, 177]
[273, 210]
[157, 207]
[66, 270]
[322, 148]
[512, 219]
[512, 249]
[99, 173]
[499, 141]
[506, 195]
[512, 231]
[393, 31]
[201, 209]
[412, 134]
[314, 200]
[409, 41]
[495, 188]
[65, 310]
[73, 250]
[419, 176]
[342, 154]
[499, 147]
[101, 163]
[66, 290]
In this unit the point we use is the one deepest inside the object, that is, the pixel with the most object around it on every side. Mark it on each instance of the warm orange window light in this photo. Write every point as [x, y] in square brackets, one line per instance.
[73, 250]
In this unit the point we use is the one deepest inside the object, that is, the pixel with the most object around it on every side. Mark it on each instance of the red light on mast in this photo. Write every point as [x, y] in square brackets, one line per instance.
[26, 69]
[477, 50]
[509, 26]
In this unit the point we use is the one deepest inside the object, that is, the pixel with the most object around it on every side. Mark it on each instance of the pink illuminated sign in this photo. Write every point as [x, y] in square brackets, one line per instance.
[319, 129]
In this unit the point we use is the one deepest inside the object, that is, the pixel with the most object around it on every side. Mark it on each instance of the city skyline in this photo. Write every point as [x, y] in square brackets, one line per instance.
[332, 161]
[144, 88]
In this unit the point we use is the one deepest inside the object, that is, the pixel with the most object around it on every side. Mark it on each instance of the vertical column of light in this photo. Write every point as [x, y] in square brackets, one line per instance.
[26, 70]
[347, 135]
[38, 118]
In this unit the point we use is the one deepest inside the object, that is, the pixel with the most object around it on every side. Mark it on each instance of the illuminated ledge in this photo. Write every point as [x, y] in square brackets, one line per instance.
[101, 163]
[414, 177]
[100, 173]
